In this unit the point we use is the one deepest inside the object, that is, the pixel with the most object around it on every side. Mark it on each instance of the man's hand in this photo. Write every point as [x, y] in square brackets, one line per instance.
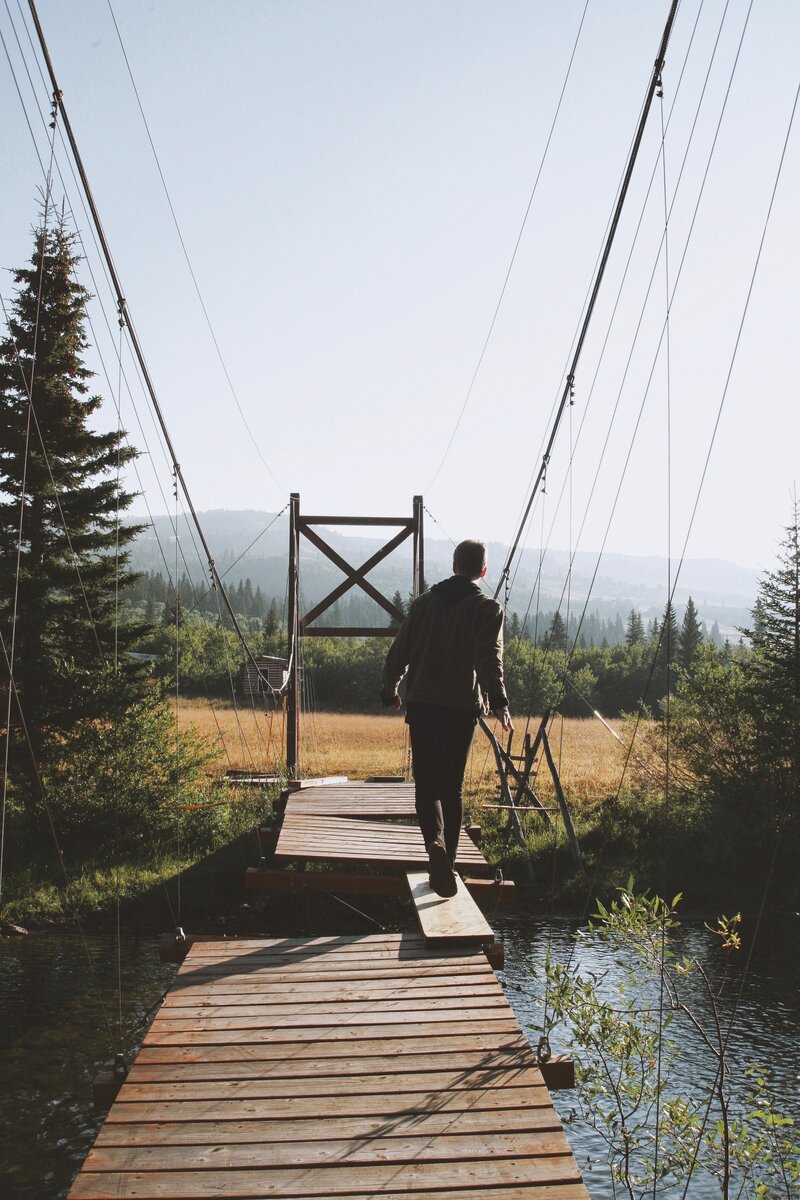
[394, 703]
[504, 717]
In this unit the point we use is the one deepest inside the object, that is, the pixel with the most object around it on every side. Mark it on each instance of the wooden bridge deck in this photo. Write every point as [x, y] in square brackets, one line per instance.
[333, 1066]
[354, 799]
[307, 837]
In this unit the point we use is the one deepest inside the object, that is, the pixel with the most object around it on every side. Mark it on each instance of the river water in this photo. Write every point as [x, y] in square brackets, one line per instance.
[59, 1016]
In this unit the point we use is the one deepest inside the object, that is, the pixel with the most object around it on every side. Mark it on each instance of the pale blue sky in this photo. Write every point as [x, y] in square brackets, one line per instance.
[350, 179]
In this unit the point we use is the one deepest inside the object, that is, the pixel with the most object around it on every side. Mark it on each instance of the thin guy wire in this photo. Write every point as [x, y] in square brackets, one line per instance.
[514, 253]
[23, 488]
[223, 364]
[668, 629]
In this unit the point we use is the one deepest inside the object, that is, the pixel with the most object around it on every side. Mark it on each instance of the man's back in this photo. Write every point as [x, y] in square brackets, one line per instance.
[451, 645]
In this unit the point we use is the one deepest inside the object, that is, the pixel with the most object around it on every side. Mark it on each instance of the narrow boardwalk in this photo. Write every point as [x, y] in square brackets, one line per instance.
[333, 1066]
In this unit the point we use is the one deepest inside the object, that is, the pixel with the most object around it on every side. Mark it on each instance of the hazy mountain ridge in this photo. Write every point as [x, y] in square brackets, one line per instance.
[722, 590]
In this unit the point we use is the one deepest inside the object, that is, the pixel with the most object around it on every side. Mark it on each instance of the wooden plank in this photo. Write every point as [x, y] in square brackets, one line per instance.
[289, 1108]
[384, 1179]
[325, 839]
[447, 919]
[341, 1008]
[213, 1128]
[333, 1031]
[405, 522]
[348, 1152]
[172, 1069]
[407, 1045]
[332, 1067]
[381, 1080]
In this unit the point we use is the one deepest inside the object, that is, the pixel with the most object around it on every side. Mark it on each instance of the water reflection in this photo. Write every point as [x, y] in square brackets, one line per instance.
[763, 999]
[59, 1025]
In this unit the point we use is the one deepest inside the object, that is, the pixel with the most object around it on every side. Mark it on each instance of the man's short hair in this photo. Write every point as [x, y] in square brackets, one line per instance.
[470, 558]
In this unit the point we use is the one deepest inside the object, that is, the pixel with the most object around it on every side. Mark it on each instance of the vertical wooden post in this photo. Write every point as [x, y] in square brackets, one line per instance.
[419, 550]
[293, 631]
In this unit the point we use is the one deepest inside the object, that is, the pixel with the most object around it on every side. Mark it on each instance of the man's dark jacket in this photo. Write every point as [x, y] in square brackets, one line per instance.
[451, 644]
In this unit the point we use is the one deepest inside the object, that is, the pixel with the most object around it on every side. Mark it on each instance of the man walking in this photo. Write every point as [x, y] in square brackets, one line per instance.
[450, 649]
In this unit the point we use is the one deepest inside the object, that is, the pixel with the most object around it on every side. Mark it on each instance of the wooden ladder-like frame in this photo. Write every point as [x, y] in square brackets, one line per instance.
[300, 625]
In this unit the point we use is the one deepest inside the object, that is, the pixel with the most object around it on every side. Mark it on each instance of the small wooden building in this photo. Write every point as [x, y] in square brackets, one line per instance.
[265, 669]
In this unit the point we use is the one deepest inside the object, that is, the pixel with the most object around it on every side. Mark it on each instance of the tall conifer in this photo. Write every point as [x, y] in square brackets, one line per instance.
[73, 550]
[690, 636]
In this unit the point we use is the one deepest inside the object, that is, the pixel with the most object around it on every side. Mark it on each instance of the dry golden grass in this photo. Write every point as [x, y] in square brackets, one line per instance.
[358, 745]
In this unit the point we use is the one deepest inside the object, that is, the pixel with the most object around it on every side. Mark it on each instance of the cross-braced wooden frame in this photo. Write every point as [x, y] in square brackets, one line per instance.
[303, 625]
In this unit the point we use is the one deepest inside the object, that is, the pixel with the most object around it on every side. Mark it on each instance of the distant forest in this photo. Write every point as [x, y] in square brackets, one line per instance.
[152, 598]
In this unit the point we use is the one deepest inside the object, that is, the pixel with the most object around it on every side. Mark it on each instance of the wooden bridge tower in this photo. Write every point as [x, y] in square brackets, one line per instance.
[302, 625]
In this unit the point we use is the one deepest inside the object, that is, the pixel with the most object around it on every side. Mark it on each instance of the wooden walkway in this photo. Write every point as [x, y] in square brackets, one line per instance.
[333, 1067]
[354, 800]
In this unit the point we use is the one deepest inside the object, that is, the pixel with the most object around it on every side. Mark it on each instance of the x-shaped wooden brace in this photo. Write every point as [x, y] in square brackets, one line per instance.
[356, 577]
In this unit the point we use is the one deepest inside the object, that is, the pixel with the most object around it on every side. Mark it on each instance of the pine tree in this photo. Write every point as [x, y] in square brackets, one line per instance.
[666, 640]
[775, 666]
[690, 636]
[272, 622]
[557, 633]
[634, 630]
[69, 568]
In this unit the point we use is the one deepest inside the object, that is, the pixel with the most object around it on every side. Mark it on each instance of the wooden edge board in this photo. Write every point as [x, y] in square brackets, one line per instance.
[274, 880]
[453, 919]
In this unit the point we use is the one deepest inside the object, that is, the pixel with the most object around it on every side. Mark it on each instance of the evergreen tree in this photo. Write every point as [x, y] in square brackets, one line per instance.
[775, 667]
[69, 569]
[666, 652]
[715, 637]
[272, 622]
[634, 630]
[398, 602]
[690, 636]
[557, 634]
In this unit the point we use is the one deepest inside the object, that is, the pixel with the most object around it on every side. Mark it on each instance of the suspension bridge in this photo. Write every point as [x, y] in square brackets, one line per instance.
[384, 1064]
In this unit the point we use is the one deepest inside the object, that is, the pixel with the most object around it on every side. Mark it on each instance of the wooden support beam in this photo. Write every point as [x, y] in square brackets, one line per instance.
[405, 521]
[105, 1088]
[558, 1072]
[496, 954]
[320, 781]
[562, 803]
[356, 578]
[274, 880]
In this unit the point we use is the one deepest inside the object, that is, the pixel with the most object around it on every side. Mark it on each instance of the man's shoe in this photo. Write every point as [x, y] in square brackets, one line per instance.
[441, 875]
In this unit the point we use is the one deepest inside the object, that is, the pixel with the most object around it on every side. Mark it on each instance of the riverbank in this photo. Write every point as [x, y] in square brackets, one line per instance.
[683, 846]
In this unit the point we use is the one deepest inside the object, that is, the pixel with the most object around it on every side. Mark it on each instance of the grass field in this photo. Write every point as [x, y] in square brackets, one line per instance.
[359, 745]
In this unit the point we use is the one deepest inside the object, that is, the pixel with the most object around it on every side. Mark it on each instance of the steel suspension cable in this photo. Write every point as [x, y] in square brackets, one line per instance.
[573, 367]
[134, 339]
[179, 232]
[500, 298]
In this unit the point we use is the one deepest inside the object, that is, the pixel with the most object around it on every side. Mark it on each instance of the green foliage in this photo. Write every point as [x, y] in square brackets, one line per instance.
[627, 1051]
[118, 783]
[690, 637]
[735, 720]
[72, 551]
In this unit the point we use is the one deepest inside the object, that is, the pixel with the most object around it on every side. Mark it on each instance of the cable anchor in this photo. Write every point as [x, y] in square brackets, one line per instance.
[543, 1051]
[659, 86]
[571, 387]
[54, 103]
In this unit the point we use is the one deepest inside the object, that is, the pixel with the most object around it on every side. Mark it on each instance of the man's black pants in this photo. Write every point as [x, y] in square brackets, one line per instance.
[440, 742]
